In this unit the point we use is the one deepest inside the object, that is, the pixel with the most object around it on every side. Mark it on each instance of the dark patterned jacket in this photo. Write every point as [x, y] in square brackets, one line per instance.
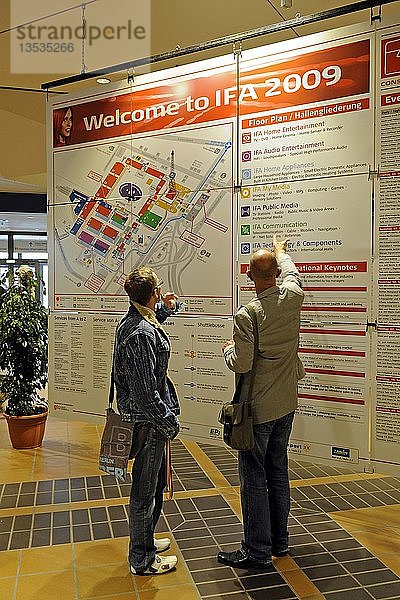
[141, 355]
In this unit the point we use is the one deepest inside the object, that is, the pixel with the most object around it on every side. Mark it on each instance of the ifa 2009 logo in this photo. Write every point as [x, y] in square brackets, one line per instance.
[390, 63]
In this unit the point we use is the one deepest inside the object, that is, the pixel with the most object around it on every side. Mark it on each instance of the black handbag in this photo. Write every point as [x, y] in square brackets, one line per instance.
[122, 441]
[115, 447]
[236, 416]
[116, 440]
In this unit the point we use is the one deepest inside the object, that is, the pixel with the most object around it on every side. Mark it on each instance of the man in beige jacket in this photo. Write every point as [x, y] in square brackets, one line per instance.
[263, 471]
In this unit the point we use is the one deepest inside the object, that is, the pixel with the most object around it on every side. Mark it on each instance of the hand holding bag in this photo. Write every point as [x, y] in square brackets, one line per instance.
[236, 416]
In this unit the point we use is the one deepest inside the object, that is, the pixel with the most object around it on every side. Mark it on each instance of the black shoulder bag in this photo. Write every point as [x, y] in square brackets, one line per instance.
[236, 416]
[116, 441]
[122, 441]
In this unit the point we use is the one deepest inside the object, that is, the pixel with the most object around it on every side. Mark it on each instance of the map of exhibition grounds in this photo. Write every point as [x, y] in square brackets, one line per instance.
[163, 200]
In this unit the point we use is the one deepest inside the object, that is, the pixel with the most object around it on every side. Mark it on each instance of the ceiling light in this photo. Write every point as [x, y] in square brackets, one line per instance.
[103, 80]
[30, 217]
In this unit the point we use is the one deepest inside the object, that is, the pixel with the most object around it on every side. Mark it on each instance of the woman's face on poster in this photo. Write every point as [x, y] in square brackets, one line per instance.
[66, 124]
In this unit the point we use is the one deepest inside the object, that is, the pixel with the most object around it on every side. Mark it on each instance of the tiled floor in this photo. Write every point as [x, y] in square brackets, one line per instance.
[63, 528]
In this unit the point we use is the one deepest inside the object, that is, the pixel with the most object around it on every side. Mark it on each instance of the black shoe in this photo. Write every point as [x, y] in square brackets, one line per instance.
[280, 553]
[242, 560]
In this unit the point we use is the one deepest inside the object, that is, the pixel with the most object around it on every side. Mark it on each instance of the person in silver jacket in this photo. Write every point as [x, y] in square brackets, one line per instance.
[263, 471]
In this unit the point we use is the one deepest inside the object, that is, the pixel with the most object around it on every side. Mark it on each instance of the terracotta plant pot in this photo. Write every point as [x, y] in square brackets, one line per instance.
[26, 432]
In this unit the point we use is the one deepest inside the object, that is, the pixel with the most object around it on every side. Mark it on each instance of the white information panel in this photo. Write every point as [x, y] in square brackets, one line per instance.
[81, 347]
[333, 398]
[318, 220]
[190, 170]
[197, 368]
[386, 389]
[80, 358]
[386, 422]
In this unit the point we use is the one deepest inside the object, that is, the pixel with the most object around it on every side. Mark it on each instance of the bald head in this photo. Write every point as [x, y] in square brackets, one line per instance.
[263, 265]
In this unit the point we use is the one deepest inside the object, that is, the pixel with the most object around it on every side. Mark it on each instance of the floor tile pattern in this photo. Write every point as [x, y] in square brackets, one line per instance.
[65, 530]
[348, 495]
[187, 475]
[328, 555]
[61, 491]
[225, 460]
[328, 497]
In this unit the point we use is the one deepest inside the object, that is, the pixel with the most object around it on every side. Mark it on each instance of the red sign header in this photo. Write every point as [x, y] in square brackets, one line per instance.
[332, 267]
[322, 75]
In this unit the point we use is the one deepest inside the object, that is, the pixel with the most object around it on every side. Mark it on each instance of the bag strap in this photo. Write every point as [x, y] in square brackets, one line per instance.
[112, 382]
[253, 316]
[112, 388]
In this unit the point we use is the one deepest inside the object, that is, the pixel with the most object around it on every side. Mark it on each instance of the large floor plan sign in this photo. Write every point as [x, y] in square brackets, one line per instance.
[164, 200]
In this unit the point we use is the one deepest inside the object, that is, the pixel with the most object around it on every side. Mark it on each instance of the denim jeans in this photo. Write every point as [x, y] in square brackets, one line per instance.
[264, 489]
[148, 483]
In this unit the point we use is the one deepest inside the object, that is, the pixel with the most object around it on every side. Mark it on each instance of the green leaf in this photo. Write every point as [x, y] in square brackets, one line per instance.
[23, 346]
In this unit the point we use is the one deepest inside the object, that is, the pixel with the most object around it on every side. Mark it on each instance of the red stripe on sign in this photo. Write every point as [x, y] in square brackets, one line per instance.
[353, 309]
[333, 267]
[332, 372]
[390, 174]
[328, 109]
[333, 352]
[390, 99]
[331, 399]
[335, 289]
[332, 331]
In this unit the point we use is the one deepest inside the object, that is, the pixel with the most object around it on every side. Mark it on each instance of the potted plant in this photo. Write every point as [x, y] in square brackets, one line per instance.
[23, 359]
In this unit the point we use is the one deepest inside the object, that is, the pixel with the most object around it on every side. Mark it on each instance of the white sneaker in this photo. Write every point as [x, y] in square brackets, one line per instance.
[162, 544]
[160, 565]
